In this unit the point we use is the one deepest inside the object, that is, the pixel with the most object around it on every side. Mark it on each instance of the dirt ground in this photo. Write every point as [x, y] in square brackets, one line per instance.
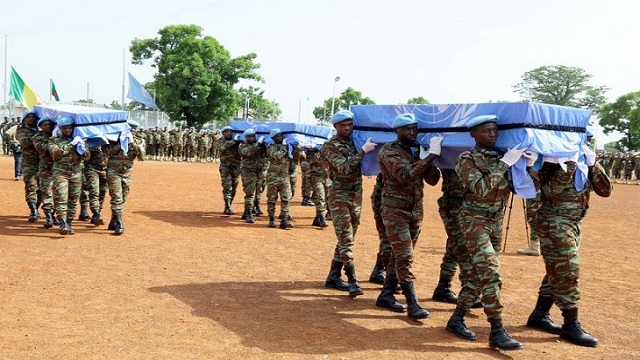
[187, 282]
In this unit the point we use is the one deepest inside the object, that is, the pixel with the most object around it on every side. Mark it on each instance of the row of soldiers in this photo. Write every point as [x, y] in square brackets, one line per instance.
[59, 171]
[622, 167]
[178, 145]
[5, 135]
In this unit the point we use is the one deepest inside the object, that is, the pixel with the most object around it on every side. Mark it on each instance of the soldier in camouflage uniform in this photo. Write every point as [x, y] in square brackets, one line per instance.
[293, 172]
[190, 144]
[6, 138]
[119, 169]
[345, 198]
[278, 180]
[484, 175]
[558, 223]
[616, 167]
[165, 144]
[67, 172]
[216, 152]
[229, 166]
[94, 185]
[378, 275]
[404, 170]
[628, 164]
[318, 181]
[307, 191]
[30, 158]
[252, 155]
[45, 168]
[178, 144]
[636, 170]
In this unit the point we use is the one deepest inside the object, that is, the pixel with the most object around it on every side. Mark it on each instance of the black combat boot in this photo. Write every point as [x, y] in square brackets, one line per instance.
[272, 222]
[285, 224]
[71, 231]
[96, 219]
[33, 215]
[386, 299]
[328, 217]
[354, 287]
[112, 222]
[244, 214]
[415, 311]
[307, 202]
[64, 228]
[456, 325]
[477, 304]
[499, 339]
[249, 215]
[55, 219]
[84, 215]
[333, 279]
[572, 331]
[377, 274]
[227, 208]
[256, 205]
[48, 219]
[539, 318]
[319, 220]
[119, 226]
[443, 292]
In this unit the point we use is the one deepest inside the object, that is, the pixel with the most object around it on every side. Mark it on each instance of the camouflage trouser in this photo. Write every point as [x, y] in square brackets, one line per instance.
[119, 183]
[532, 206]
[216, 153]
[30, 178]
[46, 189]
[94, 188]
[616, 173]
[345, 208]
[307, 190]
[560, 244]
[456, 248]
[403, 228]
[251, 186]
[484, 240]
[385, 250]
[318, 195]
[66, 192]
[293, 178]
[177, 151]
[230, 177]
[637, 172]
[627, 173]
[202, 153]
[278, 186]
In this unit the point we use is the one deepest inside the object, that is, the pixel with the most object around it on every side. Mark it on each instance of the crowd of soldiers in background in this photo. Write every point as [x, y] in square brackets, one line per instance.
[621, 167]
[187, 145]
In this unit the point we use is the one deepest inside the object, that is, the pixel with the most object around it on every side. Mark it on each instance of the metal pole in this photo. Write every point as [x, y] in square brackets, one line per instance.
[50, 82]
[299, 110]
[87, 91]
[333, 96]
[506, 234]
[4, 94]
[123, 71]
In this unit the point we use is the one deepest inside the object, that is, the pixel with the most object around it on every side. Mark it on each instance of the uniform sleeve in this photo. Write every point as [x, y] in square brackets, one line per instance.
[343, 164]
[561, 179]
[476, 181]
[400, 168]
[228, 144]
[276, 152]
[23, 138]
[600, 181]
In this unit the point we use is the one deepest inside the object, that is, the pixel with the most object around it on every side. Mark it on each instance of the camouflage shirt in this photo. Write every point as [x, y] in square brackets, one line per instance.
[24, 135]
[228, 152]
[97, 159]
[485, 180]
[451, 184]
[41, 144]
[279, 161]
[252, 155]
[117, 159]
[343, 163]
[317, 164]
[65, 155]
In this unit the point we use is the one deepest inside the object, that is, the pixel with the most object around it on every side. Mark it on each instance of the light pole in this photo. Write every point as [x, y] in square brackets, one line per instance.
[333, 97]
[299, 110]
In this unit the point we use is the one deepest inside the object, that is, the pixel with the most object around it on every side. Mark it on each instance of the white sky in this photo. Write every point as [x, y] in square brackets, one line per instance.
[447, 51]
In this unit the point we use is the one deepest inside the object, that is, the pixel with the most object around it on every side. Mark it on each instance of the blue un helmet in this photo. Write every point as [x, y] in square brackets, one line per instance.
[274, 132]
[249, 132]
[341, 116]
[65, 121]
[43, 119]
[403, 120]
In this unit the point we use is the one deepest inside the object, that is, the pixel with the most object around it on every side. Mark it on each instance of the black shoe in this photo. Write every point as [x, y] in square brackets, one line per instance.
[71, 231]
[377, 274]
[257, 209]
[33, 209]
[48, 222]
[244, 215]
[354, 287]
[119, 226]
[573, 332]
[96, 219]
[333, 279]
[272, 222]
[414, 310]
[539, 318]
[477, 304]
[443, 292]
[250, 219]
[84, 215]
[307, 202]
[227, 208]
[319, 221]
[112, 222]
[64, 228]
[285, 225]
[456, 325]
[499, 339]
[387, 300]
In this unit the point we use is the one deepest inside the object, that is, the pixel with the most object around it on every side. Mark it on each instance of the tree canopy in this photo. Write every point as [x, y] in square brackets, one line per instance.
[623, 115]
[196, 74]
[348, 97]
[561, 85]
[418, 100]
[257, 106]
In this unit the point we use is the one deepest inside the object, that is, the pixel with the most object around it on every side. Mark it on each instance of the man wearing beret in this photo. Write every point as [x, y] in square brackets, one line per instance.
[483, 172]
[278, 180]
[229, 166]
[252, 154]
[404, 171]
[345, 198]
[24, 134]
[45, 168]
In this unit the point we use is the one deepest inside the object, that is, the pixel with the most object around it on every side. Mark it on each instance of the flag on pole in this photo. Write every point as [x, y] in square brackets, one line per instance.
[22, 92]
[138, 93]
[53, 91]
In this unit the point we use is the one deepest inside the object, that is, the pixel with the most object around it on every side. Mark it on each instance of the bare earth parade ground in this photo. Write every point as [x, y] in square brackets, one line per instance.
[187, 282]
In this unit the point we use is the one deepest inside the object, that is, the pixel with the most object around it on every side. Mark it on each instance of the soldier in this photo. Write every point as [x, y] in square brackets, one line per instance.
[229, 166]
[558, 223]
[378, 275]
[157, 143]
[16, 150]
[216, 152]
[293, 172]
[318, 183]
[278, 179]
[261, 185]
[94, 186]
[165, 144]
[345, 198]
[484, 175]
[30, 158]
[6, 137]
[119, 169]
[67, 153]
[45, 168]
[616, 168]
[404, 172]
[178, 144]
[252, 155]
[191, 143]
[628, 165]
[306, 183]
[636, 170]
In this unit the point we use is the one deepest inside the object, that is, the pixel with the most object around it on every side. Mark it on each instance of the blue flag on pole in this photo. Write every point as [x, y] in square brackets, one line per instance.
[138, 93]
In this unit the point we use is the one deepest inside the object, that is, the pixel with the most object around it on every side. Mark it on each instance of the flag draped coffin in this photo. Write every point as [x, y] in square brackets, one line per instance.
[308, 135]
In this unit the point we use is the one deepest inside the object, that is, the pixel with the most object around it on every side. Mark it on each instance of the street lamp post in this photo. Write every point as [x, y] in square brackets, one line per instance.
[333, 97]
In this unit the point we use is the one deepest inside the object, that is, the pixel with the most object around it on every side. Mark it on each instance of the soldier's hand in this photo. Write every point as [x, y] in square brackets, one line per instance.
[369, 146]
[284, 142]
[423, 153]
[512, 156]
[261, 140]
[531, 157]
[435, 145]
[237, 137]
[76, 140]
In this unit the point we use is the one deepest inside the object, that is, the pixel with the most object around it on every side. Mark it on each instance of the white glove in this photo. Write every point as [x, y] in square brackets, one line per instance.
[531, 157]
[261, 140]
[300, 146]
[369, 146]
[574, 158]
[76, 140]
[284, 142]
[512, 156]
[237, 137]
[435, 145]
[590, 155]
[423, 153]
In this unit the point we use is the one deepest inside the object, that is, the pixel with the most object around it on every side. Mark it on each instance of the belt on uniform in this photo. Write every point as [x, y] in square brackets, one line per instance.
[345, 187]
[398, 203]
[489, 214]
[579, 213]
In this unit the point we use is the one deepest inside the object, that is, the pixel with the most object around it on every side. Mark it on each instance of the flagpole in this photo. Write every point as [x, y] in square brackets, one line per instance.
[123, 70]
[4, 94]
[50, 87]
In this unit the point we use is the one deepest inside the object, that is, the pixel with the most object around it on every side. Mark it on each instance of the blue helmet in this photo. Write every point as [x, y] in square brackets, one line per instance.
[341, 116]
[134, 124]
[65, 121]
[227, 128]
[482, 119]
[591, 131]
[28, 112]
[274, 132]
[249, 132]
[403, 120]
[45, 118]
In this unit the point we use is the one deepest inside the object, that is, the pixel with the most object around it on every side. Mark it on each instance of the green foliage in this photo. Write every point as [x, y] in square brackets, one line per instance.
[85, 101]
[347, 98]
[196, 74]
[260, 108]
[418, 100]
[561, 85]
[623, 116]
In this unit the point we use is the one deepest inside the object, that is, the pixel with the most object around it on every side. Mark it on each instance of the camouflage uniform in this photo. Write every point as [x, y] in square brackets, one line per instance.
[157, 144]
[318, 179]
[67, 172]
[306, 182]
[636, 170]
[30, 159]
[229, 167]
[178, 144]
[616, 167]
[216, 152]
[119, 167]
[278, 180]
[629, 165]
[385, 250]
[252, 156]
[486, 186]
[293, 171]
[165, 144]
[190, 144]
[45, 169]
[94, 182]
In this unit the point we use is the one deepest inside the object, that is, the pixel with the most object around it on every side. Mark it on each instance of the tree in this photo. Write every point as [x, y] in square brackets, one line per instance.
[259, 107]
[418, 100]
[623, 116]
[196, 74]
[347, 98]
[561, 85]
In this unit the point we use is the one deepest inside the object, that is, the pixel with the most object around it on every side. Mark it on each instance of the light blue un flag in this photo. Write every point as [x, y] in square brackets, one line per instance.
[138, 93]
